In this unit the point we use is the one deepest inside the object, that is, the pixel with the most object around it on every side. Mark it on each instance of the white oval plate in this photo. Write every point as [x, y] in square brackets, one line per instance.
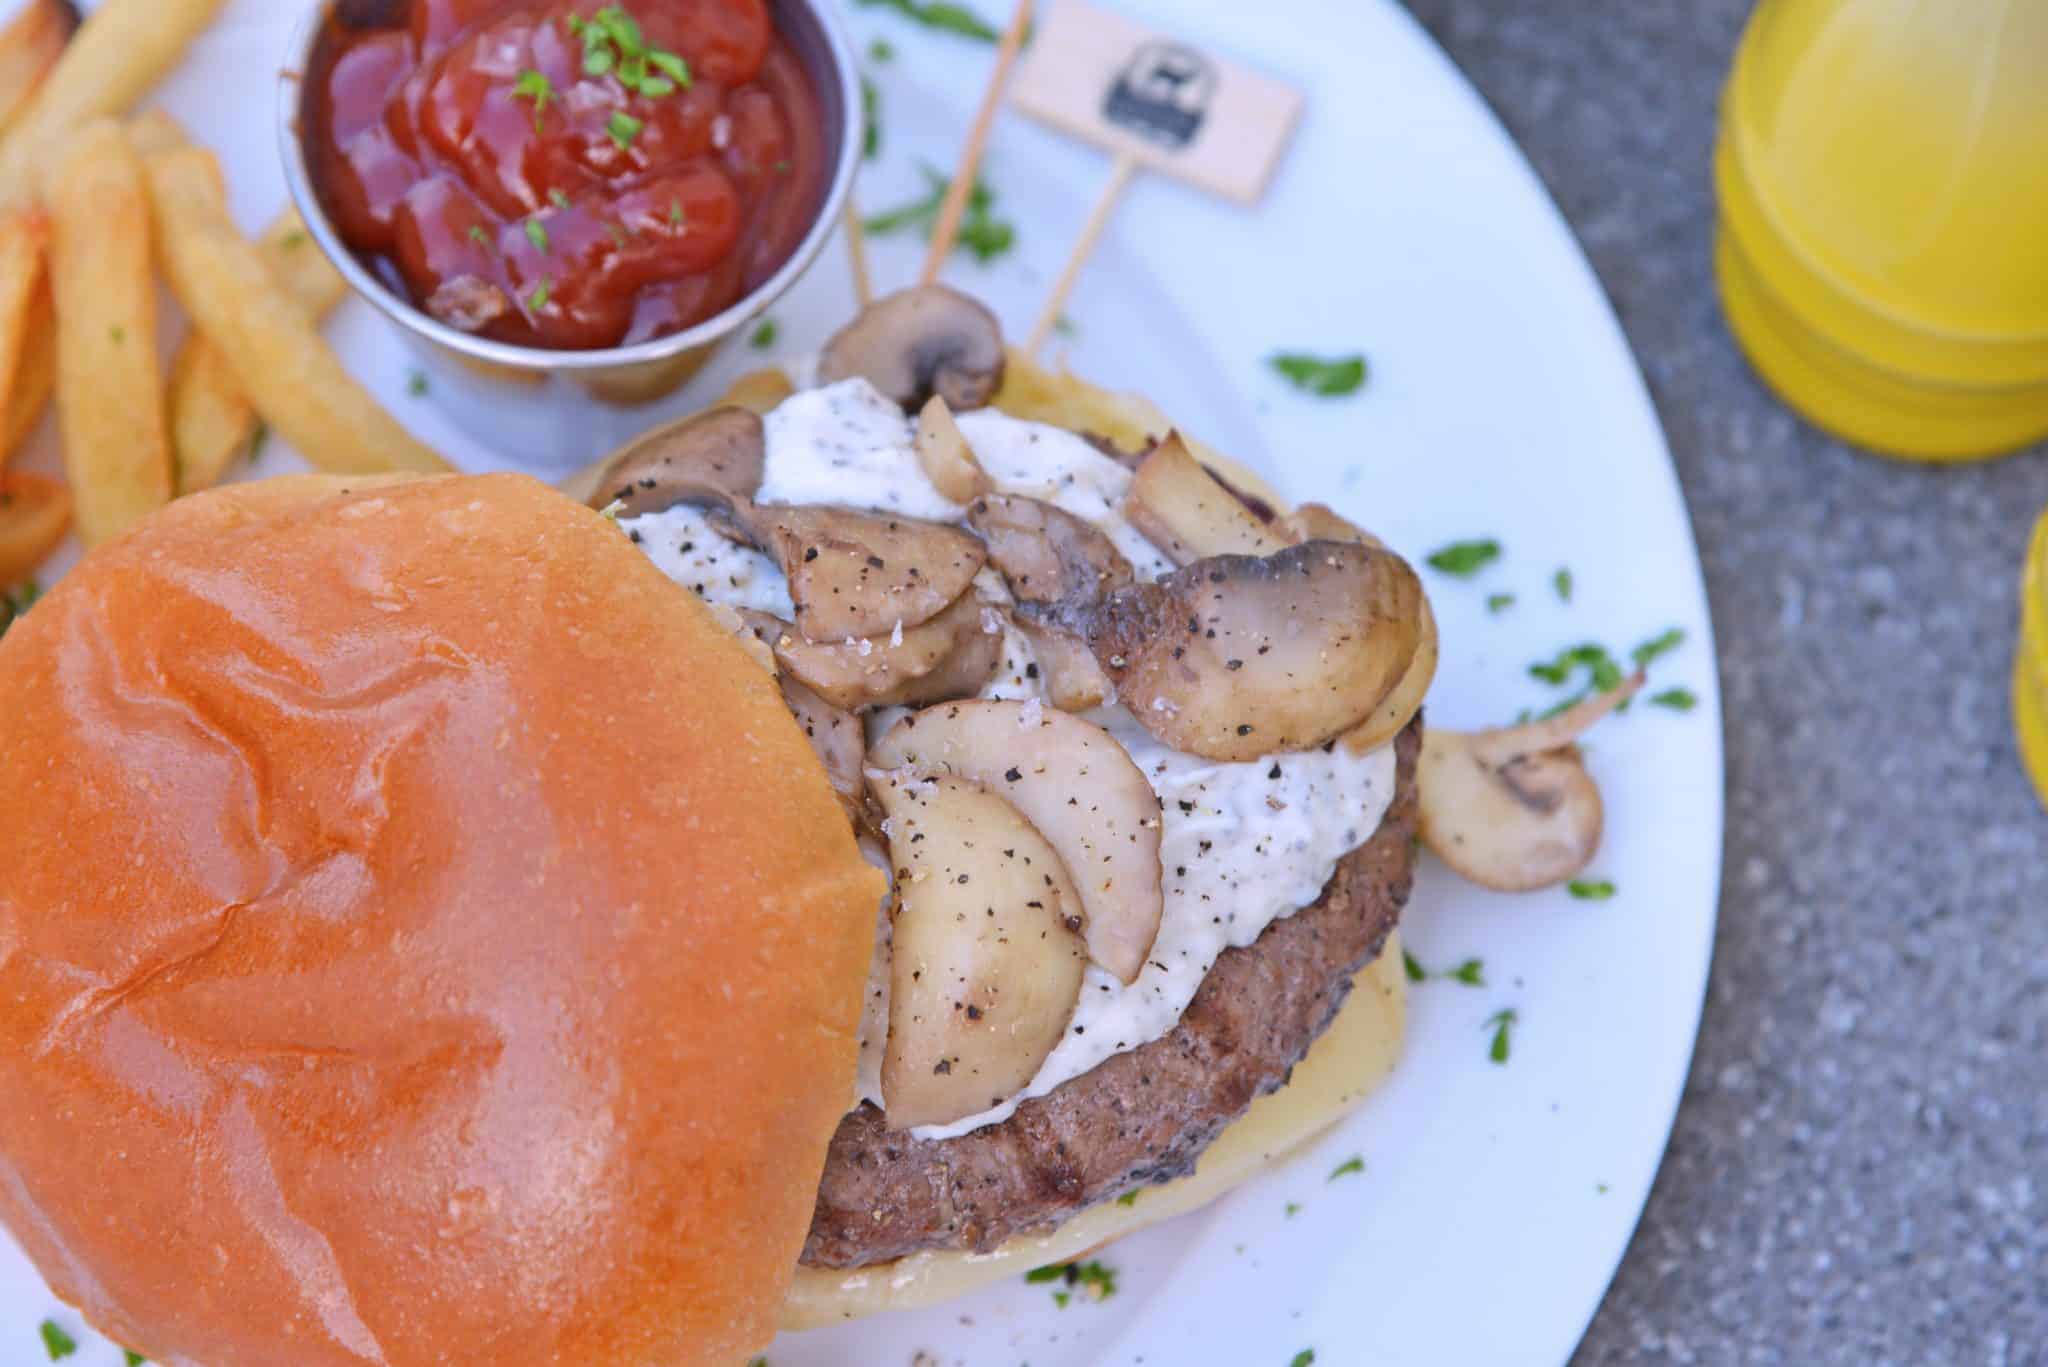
[1496, 1199]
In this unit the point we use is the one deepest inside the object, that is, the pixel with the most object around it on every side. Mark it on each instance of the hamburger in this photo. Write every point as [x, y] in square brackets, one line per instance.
[867, 841]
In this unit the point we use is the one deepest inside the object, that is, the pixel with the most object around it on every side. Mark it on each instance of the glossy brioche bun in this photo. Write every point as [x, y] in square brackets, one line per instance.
[425, 937]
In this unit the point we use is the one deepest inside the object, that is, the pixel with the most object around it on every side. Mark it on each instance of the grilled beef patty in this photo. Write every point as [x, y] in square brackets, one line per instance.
[1142, 1117]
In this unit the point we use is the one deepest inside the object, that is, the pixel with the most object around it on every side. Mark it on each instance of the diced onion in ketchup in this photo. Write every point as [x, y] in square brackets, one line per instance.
[471, 152]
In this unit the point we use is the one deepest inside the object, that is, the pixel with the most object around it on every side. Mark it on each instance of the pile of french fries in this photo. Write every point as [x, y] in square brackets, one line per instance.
[93, 206]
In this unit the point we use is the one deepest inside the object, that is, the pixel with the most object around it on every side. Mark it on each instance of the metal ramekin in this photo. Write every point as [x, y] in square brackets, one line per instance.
[561, 408]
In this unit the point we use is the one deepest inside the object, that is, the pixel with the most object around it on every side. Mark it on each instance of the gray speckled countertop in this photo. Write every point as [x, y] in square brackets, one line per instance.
[1860, 1170]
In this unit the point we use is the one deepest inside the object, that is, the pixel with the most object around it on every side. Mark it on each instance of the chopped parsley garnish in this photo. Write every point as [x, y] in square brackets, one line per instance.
[133, 1358]
[675, 213]
[1658, 646]
[1065, 326]
[1602, 1188]
[479, 236]
[538, 300]
[534, 85]
[1095, 1280]
[56, 1342]
[881, 50]
[1350, 1167]
[1501, 1023]
[1465, 558]
[558, 199]
[942, 15]
[1472, 973]
[614, 46]
[1498, 603]
[1293, 1209]
[764, 335]
[1590, 889]
[15, 602]
[1326, 378]
[1305, 1358]
[537, 234]
[258, 439]
[1595, 658]
[981, 232]
[293, 240]
[118, 333]
[624, 128]
[416, 384]
[1130, 1198]
[1562, 582]
[1416, 972]
[871, 119]
[1677, 699]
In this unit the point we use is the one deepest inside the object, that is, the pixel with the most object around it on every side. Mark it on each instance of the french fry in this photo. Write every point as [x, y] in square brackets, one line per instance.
[117, 449]
[123, 49]
[212, 420]
[29, 47]
[24, 241]
[35, 512]
[297, 384]
[35, 377]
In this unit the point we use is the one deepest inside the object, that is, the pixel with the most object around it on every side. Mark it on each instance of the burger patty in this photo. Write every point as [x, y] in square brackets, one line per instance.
[1142, 1117]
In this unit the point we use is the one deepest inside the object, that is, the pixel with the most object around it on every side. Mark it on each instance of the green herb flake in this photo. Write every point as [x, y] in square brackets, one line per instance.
[761, 1361]
[479, 236]
[1502, 1023]
[1062, 1299]
[1305, 1358]
[1416, 972]
[882, 51]
[1293, 1209]
[534, 85]
[1350, 1167]
[416, 384]
[292, 240]
[538, 300]
[1590, 889]
[133, 1358]
[871, 119]
[1066, 327]
[981, 232]
[558, 199]
[1497, 603]
[1039, 1276]
[56, 1342]
[764, 335]
[1465, 558]
[670, 65]
[537, 234]
[1472, 973]
[118, 333]
[1130, 1198]
[1326, 378]
[1562, 582]
[624, 128]
[1650, 651]
[1677, 699]
[675, 213]
[258, 439]
[1095, 1280]
[943, 16]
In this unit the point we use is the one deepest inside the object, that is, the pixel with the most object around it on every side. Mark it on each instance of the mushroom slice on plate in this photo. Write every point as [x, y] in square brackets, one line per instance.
[1234, 657]
[1067, 669]
[712, 457]
[986, 958]
[1514, 809]
[1076, 785]
[948, 461]
[854, 574]
[871, 672]
[1320, 522]
[1051, 559]
[919, 342]
[1185, 511]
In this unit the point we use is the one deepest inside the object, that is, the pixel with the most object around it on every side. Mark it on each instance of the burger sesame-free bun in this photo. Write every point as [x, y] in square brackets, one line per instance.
[425, 937]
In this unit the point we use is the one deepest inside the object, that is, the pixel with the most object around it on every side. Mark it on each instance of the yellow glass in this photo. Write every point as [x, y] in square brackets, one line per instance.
[2030, 671]
[1883, 243]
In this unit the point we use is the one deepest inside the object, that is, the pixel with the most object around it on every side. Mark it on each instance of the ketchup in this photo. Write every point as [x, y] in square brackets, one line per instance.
[565, 174]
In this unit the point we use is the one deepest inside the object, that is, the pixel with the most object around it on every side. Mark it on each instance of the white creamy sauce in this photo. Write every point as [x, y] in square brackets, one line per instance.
[1241, 844]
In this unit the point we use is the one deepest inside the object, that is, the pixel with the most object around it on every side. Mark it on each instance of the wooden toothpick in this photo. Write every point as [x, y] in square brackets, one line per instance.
[1070, 275]
[857, 254]
[955, 205]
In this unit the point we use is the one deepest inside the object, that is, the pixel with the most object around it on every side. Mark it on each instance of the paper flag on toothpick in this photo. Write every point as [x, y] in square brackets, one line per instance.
[1153, 102]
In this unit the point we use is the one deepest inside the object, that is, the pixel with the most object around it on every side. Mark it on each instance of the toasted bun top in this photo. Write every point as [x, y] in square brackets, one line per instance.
[424, 938]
